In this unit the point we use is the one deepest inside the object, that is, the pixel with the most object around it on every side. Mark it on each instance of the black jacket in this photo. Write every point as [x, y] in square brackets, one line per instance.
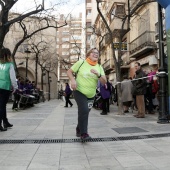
[139, 85]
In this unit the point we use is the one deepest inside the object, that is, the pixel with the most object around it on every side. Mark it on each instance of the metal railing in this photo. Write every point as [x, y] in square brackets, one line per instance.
[145, 39]
[109, 64]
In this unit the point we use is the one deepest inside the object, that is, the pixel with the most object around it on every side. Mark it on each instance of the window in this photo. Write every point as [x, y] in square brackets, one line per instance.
[74, 57]
[117, 10]
[120, 9]
[76, 37]
[112, 13]
[144, 23]
[88, 24]
[65, 33]
[65, 53]
[65, 39]
[65, 46]
[88, 37]
[88, 12]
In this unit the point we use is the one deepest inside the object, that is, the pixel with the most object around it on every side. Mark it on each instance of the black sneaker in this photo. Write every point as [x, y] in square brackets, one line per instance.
[85, 136]
[126, 111]
[3, 128]
[7, 125]
[78, 134]
[103, 113]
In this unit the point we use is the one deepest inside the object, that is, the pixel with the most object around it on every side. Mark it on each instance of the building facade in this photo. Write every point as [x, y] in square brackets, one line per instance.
[42, 53]
[139, 35]
[69, 46]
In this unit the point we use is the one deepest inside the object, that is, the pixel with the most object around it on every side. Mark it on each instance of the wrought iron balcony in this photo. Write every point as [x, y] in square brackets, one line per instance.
[142, 44]
[108, 65]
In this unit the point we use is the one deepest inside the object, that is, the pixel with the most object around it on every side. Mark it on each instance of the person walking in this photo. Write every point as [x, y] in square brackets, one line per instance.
[105, 91]
[16, 96]
[88, 72]
[67, 93]
[127, 98]
[139, 90]
[7, 82]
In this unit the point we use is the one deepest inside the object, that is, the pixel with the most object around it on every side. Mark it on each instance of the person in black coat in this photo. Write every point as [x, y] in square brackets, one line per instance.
[139, 90]
[68, 92]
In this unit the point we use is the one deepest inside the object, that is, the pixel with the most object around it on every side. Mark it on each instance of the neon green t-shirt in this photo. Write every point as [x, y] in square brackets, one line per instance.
[87, 81]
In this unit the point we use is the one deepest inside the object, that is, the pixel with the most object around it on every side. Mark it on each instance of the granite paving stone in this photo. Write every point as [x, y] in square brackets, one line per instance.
[50, 120]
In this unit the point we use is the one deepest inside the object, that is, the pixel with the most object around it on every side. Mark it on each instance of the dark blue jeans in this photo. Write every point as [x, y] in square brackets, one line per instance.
[83, 111]
[68, 100]
[4, 97]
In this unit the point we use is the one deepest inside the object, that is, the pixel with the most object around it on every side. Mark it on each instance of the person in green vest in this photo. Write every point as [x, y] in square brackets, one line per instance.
[88, 73]
[7, 83]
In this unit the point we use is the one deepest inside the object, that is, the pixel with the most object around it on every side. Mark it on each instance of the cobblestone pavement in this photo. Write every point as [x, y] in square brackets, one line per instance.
[43, 138]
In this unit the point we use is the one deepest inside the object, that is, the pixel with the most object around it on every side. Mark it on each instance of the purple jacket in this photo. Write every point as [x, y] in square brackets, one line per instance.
[150, 76]
[68, 91]
[105, 90]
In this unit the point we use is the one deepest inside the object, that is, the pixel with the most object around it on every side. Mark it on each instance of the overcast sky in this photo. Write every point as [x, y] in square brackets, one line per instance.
[66, 6]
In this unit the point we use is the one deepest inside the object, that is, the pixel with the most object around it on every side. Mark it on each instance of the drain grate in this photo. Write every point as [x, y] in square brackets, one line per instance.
[106, 139]
[126, 130]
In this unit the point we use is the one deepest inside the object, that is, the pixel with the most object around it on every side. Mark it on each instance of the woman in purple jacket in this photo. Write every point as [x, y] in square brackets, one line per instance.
[105, 91]
[68, 92]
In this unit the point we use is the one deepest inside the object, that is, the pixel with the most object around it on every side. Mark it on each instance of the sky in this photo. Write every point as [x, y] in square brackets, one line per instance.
[64, 6]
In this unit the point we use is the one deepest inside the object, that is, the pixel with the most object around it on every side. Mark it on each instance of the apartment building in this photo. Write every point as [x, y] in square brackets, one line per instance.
[142, 45]
[101, 36]
[138, 41]
[69, 45]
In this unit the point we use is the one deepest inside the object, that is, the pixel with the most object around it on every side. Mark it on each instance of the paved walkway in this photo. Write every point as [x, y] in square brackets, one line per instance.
[50, 120]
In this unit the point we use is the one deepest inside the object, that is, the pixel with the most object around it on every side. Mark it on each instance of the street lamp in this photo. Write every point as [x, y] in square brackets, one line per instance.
[27, 51]
[162, 93]
[48, 66]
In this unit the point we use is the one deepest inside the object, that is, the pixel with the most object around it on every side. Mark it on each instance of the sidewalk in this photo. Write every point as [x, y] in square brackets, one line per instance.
[50, 121]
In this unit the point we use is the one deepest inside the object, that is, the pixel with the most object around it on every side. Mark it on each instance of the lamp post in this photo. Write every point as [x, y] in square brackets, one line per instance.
[162, 93]
[49, 87]
[42, 77]
[27, 51]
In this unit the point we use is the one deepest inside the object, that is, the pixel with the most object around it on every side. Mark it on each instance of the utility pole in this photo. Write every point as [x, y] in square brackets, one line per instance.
[27, 51]
[36, 69]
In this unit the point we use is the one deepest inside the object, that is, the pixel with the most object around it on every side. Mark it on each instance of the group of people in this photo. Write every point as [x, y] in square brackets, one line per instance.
[26, 87]
[89, 75]
[141, 91]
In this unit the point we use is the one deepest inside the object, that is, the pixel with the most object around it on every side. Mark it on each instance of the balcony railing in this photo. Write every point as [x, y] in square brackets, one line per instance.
[147, 39]
[108, 65]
